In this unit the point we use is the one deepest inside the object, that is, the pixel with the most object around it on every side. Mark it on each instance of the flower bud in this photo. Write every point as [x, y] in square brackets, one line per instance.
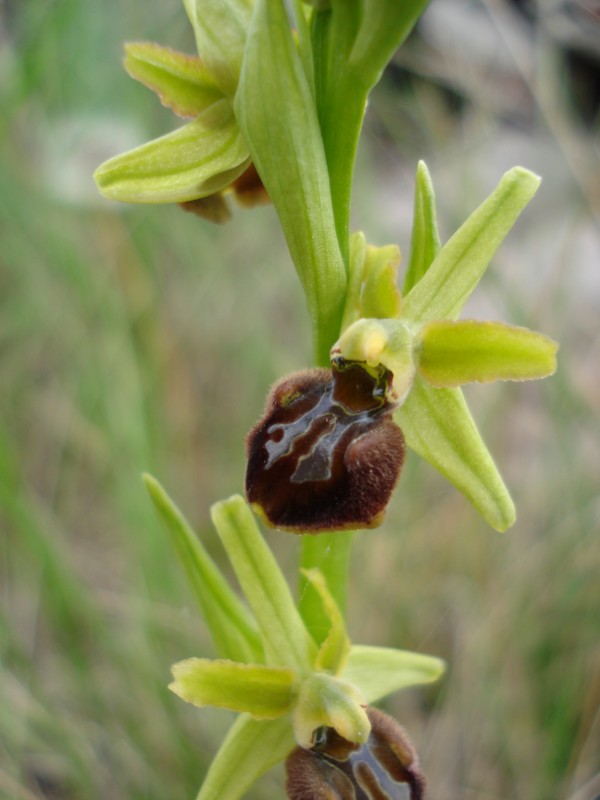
[326, 455]
[385, 767]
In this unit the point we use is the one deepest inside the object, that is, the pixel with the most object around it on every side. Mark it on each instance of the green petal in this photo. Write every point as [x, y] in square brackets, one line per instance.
[276, 112]
[380, 295]
[425, 240]
[335, 647]
[221, 27]
[285, 638]
[458, 267]
[231, 625]
[378, 671]
[250, 749]
[182, 82]
[263, 692]
[358, 253]
[372, 286]
[438, 425]
[197, 160]
[454, 353]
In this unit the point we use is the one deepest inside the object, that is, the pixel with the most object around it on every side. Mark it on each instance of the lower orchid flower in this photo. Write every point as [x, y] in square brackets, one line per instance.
[289, 691]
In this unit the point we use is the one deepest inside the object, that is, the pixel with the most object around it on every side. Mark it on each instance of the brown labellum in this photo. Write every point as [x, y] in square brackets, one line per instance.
[385, 767]
[327, 454]
[247, 189]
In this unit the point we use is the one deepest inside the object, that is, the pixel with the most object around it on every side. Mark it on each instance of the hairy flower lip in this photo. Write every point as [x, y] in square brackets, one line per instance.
[326, 454]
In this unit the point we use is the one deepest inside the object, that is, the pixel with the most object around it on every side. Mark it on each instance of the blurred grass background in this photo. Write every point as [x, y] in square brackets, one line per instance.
[142, 338]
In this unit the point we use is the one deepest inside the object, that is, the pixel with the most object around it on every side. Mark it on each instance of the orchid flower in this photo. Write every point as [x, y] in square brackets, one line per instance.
[270, 670]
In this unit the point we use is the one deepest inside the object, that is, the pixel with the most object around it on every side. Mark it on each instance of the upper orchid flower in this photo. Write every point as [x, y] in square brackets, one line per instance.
[197, 165]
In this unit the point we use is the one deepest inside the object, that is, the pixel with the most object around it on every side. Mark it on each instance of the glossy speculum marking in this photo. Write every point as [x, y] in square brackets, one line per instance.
[385, 767]
[327, 454]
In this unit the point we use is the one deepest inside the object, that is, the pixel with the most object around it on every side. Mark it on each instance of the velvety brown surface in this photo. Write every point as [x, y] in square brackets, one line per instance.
[327, 454]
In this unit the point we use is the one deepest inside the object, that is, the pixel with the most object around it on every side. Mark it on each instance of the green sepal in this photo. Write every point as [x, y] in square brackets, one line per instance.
[425, 239]
[285, 638]
[263, 692]
[232, 627]
[221, 27]
[453, 353]
[274, 96]
[334, 649]
[196, 160]
[182, 82]
[458, 267]
[437, 424]
[326, 701]
[378, 671]
[250, 749]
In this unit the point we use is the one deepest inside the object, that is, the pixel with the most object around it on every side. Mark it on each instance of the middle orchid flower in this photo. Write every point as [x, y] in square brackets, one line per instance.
[328, 451]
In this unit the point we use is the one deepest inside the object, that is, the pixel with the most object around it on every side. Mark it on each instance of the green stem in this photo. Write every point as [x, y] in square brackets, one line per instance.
[329, 552]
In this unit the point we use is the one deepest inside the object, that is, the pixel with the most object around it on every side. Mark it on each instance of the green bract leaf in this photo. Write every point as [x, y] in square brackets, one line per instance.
[336, 645]
[378, 671]
[438, 425]
[263, 692]
[182, 82]
[231, 625]
[352, 44]
[250, 749]
[302, 36]
[425, 240]
[443, 290]
[221, 27]
[197, 160]
[454, 353]
[276, 112]
[285, 638]
[385, 24]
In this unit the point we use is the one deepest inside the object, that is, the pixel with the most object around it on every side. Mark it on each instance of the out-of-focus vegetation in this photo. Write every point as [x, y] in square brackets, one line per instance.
[144, 339]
